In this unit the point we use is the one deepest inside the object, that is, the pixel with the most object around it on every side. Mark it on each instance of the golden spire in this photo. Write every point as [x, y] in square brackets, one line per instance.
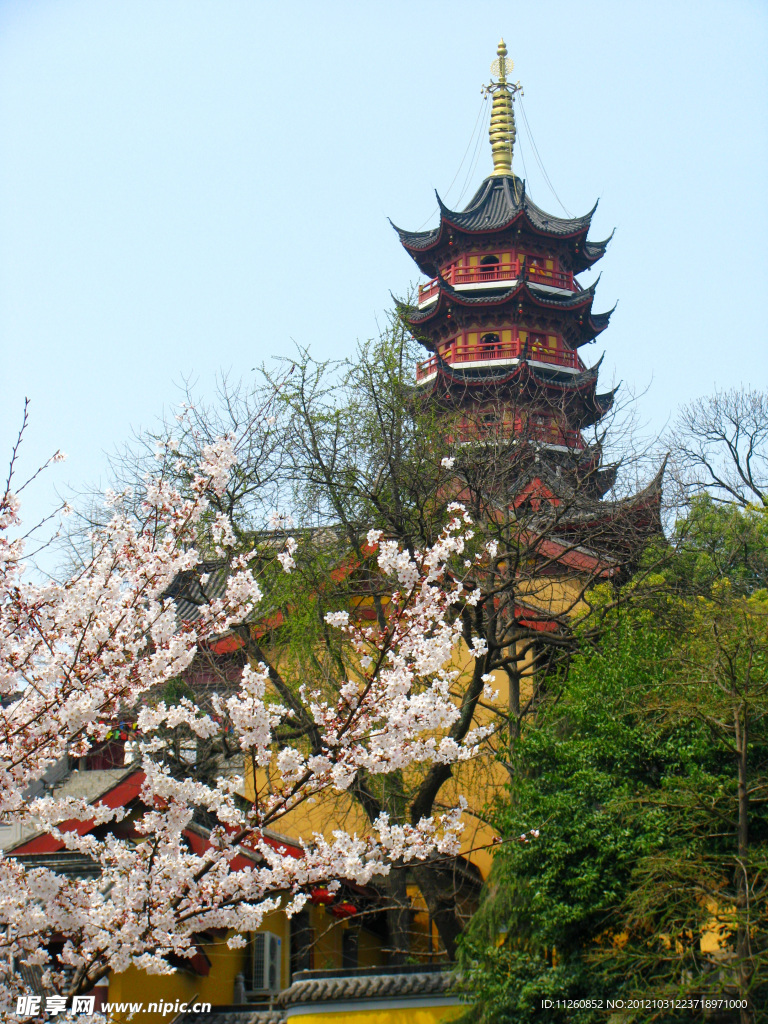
[502, 130]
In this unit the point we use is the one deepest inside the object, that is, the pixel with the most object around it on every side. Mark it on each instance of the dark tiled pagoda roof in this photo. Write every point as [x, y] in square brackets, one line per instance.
[322, 992]
[539, 295]
[575, 393]
[601, 404]
[583, 405]
[622, 526]
[619, 527]
[604, 479]
[449, 297]
[195, 588]
[572, 484]
[70, 862]
[595, 250]
[232, 1015]
[499, 199]
[600, 321]
[500, 202]
[648, 497]
[578, 382]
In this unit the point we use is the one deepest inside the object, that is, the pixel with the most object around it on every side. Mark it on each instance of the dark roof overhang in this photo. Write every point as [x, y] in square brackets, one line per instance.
[627, 523]
[575, 394]
[448, 296]
[590, 253]
[499, 204]
[453, 304]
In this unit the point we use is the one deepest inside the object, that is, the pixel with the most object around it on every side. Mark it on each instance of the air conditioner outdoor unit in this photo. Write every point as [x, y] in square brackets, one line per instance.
[264, 962]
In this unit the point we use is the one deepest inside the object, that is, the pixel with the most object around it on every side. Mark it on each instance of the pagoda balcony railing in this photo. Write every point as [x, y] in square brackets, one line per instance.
[507, 430]
[458, 276]
[462, 353]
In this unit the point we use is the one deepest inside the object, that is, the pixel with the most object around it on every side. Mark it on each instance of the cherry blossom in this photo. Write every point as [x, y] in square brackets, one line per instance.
[75, 655]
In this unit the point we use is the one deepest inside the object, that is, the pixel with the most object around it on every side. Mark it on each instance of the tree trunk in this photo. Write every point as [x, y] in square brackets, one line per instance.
[743, 952]
[398, 916]
[439, 892]
[513, 675]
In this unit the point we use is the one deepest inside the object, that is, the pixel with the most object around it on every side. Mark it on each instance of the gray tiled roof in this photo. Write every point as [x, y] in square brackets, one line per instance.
[383, 985]
[600, 320]
[315, 988]
[594, 250]
[190, 593]
[648, 496]
[69, 862]
[233, 1015]
[522, 289]
[583, 405]
[465, 306]
[498, 202]
[578, 382]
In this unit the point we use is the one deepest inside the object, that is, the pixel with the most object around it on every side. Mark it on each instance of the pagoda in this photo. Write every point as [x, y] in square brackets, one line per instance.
[504, 320]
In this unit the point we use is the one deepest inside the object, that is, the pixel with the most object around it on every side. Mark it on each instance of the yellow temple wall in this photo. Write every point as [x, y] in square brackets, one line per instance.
[134, 985]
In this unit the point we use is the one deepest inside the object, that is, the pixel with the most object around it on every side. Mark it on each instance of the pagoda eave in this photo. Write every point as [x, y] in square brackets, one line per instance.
[594, 408]
[449, 237]
[637, 517]
[522, 291]
[623, 532]
[575, 397]
[500, 205]
[448, 315]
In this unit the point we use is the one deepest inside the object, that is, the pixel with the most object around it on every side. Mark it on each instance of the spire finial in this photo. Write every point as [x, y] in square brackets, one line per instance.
[499, 67]
[502, 130]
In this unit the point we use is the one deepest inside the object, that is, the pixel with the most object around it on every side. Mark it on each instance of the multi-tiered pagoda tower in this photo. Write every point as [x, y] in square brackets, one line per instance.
[504, 320]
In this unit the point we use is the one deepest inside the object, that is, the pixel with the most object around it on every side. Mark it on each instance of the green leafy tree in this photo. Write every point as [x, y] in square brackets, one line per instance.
[717, 542]
[696, 912]
[552, 898]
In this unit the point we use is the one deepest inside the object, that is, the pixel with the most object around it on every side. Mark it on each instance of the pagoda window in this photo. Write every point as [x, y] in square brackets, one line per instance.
[487, 261]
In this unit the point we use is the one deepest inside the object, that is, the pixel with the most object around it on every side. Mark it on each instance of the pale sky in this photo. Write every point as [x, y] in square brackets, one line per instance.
[187, 186]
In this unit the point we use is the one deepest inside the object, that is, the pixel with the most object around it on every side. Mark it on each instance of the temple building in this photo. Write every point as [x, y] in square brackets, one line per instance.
[505, 323]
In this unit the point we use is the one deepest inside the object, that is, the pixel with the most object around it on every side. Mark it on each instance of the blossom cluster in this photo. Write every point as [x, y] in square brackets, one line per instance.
[74, 656]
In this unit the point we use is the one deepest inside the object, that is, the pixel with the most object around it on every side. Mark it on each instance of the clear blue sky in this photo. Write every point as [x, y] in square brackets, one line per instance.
[187, 185]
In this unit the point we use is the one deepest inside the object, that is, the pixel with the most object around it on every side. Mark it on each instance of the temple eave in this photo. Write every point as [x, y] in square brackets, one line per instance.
[522, 291]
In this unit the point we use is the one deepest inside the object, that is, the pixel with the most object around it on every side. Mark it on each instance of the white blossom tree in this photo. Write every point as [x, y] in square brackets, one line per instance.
[75, 654]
